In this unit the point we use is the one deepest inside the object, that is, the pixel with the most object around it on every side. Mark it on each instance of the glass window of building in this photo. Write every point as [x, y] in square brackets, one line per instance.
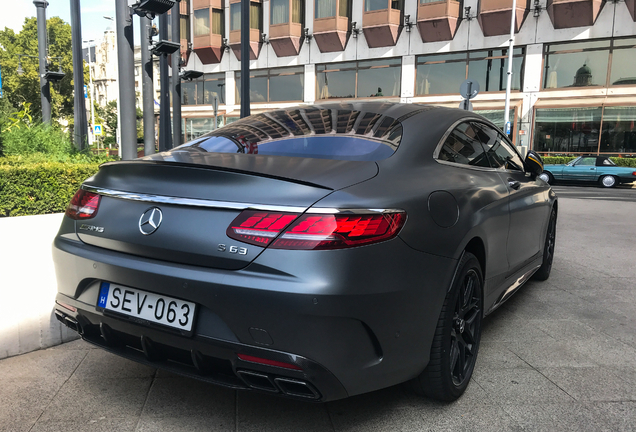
[298, 11]
[279, 11]
[218, 22]
[373, 78]
[201, 22]
[579, 64]
[567, 130]
[623, 61]
[443, 73]
[373, 5]
[202, 90]
[256, 16]
[274, 85]
[213, 85]
[490, 69]
[325, 8]
[619, 130]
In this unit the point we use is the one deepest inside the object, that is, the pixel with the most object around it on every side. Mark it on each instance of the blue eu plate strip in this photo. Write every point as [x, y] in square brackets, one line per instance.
[103, 294]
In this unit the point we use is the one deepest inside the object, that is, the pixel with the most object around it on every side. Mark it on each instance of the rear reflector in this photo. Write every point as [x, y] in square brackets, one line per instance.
[84, 205]
[314, 231]
[268, 362]
[65, 306]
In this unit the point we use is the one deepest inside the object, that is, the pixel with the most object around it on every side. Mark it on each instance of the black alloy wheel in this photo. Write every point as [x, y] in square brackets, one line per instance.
[548, 249]
[466, 328]
[457, 336]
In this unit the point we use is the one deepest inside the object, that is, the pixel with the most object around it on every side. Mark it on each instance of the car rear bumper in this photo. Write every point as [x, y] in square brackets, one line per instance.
[348, 332]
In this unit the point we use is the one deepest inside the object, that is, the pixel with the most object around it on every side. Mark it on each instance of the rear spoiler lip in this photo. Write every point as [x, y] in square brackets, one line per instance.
[216, 168]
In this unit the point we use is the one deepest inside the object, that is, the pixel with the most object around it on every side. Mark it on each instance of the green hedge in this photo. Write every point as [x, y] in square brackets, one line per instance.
[40, 188]
[556, 160]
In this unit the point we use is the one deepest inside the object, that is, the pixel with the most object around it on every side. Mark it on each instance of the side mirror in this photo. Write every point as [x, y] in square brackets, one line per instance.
[534, 163]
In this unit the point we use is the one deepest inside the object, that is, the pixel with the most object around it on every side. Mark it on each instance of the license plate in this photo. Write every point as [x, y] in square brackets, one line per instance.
[147, 306]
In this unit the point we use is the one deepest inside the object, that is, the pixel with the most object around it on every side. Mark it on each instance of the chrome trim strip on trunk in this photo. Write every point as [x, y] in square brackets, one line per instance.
[193, 202]
[226, 205]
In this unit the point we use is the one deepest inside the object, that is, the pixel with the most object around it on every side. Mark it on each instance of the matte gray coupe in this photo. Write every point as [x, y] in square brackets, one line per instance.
[315, 252]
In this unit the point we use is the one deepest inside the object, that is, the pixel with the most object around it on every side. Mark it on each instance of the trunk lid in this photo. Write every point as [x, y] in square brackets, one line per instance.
[199, 198]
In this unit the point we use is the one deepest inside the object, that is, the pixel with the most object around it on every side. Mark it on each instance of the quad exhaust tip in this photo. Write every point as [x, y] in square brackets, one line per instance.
[287, 386]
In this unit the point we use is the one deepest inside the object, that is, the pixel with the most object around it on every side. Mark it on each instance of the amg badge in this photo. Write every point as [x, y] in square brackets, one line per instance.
[92, 228]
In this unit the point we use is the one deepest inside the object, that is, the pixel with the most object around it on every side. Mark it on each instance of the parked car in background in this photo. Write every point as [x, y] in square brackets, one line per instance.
[598, 169]
[314, 252]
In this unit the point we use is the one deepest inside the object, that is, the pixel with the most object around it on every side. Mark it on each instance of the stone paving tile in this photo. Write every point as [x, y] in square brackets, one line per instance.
[200, 423]
[619, 416]
[91, 399]
[259, 412]
[102, 424]
[599, 383]
[551, 353]
[566, 329]
[519, 387]
[182, 396]
[42, 364]
[503, 327]
[102, 364]
[78, 344]
[25, 399]
[562, 417]
[496, 355]
[607, 351]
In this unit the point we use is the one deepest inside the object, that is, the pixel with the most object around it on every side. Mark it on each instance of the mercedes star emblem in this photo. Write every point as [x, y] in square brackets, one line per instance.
[150, 220]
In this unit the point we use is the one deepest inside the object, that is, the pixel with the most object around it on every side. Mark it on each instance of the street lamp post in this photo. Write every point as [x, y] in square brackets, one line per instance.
[80, 128]
[91, 132]
[45, 88]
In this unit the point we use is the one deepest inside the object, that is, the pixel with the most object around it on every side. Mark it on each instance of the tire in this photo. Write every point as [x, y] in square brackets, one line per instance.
[608, 181]
[457, 336]
[548, 250]
[547, 177]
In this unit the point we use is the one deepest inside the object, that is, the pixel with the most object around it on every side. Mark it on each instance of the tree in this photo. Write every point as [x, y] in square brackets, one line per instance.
[19, 89]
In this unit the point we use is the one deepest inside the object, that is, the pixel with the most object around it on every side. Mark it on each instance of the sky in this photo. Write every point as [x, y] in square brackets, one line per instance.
[92, 12]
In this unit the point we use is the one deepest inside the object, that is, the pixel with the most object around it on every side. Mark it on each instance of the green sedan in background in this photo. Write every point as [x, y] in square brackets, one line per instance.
[598, 169]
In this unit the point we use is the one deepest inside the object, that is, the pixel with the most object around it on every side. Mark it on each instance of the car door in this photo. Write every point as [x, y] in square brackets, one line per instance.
[583, 169]
[528, 198]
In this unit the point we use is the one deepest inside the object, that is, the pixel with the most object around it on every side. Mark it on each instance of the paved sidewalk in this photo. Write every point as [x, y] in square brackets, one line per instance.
[559, 356]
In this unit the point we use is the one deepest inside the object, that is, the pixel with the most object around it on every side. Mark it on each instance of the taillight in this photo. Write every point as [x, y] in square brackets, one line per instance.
[83, 205]
[315, 231]
[259, 227]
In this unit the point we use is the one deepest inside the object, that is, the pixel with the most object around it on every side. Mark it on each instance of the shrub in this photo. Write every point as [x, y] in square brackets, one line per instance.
[40, 188]
[36, 139]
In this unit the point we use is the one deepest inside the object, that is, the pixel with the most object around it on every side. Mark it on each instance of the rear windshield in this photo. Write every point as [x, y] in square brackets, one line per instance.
[309, 133]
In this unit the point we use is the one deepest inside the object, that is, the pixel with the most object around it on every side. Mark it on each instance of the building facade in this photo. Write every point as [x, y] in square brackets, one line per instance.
[574, 62]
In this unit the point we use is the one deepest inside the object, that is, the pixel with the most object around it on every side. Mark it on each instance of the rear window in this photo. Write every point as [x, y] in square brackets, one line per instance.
[309, 133]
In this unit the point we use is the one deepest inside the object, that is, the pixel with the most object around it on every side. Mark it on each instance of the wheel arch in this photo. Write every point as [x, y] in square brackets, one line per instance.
[476, 247]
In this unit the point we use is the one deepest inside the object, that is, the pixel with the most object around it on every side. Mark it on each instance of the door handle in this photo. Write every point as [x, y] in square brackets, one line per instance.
[592, 169]
[514, 184]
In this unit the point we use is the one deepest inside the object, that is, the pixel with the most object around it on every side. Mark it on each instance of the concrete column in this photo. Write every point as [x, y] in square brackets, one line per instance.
[310, 83]
[408, 76]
